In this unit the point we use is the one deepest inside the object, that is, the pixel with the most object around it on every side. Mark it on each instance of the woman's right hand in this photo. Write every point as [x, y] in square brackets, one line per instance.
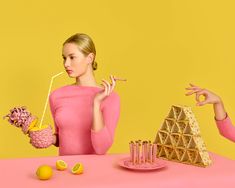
[209, 97]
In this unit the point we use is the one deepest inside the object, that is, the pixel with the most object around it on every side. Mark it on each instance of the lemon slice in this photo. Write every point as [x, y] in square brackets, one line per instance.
[61, 165]
[36, 128]
[44, 172]
[77, 168]
[32, 124]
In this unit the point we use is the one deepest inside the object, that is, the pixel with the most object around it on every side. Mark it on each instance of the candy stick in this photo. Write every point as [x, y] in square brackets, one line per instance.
[154, 152]
[48, 97]
[139, 147]
[134, 151]
[137, 152]
[143, 151]
[150, 153]
[146, 150]
[131, 151]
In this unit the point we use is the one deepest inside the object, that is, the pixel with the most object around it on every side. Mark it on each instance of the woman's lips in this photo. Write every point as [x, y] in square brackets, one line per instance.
[69, 71]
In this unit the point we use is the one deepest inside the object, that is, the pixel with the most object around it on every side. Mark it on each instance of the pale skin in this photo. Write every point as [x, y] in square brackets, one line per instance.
[209, 98]
[81, 69]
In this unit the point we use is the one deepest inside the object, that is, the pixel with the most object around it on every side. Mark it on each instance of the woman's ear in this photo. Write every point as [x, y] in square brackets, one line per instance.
[90, 58]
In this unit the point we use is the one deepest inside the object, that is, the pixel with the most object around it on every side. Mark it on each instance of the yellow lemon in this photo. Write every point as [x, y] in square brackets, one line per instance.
[44, 172]
[61, 165]
[32, 124]
[37, 128]
[77, 168]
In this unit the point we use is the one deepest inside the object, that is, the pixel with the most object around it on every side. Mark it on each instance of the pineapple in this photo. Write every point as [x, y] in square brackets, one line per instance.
[41, 137]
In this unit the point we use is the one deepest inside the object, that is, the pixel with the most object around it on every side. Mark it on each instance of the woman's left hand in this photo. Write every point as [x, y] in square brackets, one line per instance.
[108, 88]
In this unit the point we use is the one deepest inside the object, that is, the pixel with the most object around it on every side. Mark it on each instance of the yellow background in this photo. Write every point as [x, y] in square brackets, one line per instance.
[159, 46]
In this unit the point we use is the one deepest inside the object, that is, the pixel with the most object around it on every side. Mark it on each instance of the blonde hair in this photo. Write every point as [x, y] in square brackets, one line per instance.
[85, 45]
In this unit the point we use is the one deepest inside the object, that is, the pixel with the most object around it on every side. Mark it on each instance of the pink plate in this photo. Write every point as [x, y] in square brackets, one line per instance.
[126, 163]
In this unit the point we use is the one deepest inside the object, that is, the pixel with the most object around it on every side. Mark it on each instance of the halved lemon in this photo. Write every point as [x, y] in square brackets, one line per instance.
[37, 128]
[77, 168]
[32, 124]
[61, 165]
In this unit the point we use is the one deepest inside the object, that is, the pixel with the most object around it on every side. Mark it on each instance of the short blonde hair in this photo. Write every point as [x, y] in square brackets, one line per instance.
[85, 45]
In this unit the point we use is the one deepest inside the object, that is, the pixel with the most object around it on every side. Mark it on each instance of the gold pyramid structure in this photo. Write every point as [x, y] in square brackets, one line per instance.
[179, 139]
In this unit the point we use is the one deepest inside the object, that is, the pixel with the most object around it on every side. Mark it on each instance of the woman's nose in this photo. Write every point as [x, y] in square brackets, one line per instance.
[66, 62]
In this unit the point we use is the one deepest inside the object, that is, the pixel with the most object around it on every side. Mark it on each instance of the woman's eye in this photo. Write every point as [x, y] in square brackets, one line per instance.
[72, 57]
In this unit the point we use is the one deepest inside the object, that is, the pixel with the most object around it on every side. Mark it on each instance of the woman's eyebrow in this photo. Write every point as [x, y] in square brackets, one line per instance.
[68, 54]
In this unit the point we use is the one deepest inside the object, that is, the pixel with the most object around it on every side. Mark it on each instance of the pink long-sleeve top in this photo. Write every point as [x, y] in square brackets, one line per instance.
[226, 128]
[72, 110]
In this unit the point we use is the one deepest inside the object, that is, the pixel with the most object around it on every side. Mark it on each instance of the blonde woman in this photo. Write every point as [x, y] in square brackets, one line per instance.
[222, 119]
[85, 113]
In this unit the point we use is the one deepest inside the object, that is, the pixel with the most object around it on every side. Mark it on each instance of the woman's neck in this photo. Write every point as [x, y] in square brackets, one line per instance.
[87, 79]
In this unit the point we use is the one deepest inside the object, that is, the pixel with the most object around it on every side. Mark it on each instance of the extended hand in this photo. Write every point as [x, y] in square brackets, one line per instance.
[210, 97]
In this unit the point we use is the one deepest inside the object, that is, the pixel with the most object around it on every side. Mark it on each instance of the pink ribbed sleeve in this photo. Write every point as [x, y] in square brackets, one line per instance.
[226, 128]
[103, 139]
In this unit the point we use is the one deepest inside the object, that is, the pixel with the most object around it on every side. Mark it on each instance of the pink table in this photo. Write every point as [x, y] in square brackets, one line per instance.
[103, 171]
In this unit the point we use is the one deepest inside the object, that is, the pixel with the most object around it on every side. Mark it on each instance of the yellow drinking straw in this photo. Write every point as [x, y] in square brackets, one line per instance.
[52, 79]
[48, 97]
